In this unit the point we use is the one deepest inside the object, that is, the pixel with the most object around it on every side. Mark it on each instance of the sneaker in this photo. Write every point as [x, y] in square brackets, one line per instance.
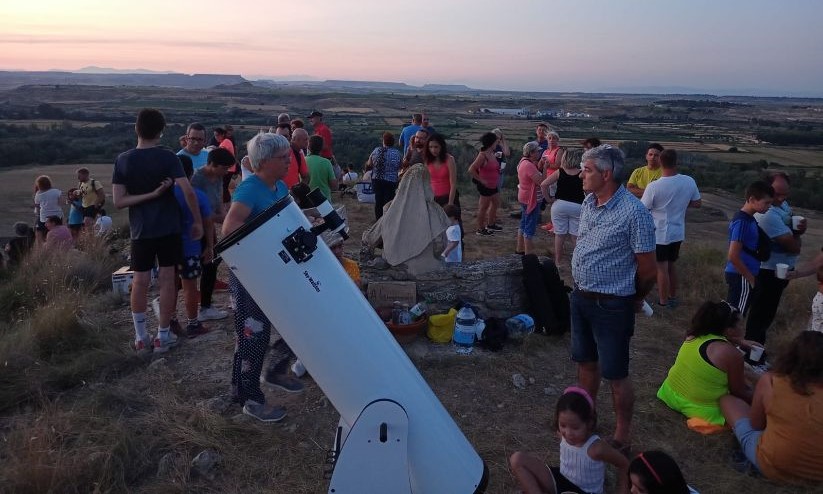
[258, 411]
[143, 346]
[494, 227]
[221, 285]
[284, 382]
[163, 346]
[298, 368]
[211, 314]
[485, 232]
[175, 327]
[195, 330]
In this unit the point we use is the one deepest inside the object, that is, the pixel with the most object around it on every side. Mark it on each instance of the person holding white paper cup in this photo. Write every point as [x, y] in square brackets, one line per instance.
[798, 223]
[785, 232]
[813, 267]
[781, 270]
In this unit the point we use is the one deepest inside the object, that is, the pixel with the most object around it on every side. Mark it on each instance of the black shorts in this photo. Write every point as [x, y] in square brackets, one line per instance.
[40, 226]
[485, 191]
[166, 251]
[667, 253]
[191, 269]
[562, 484]
[90, 212]
[76, 227]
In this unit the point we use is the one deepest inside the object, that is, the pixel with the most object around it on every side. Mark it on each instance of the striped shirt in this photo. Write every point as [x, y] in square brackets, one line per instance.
[609, 237]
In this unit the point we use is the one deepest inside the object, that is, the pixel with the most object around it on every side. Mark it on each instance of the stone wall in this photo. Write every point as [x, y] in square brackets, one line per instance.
[494, 286]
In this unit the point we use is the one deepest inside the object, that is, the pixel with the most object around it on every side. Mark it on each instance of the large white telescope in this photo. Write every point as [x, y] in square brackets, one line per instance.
[394, 434]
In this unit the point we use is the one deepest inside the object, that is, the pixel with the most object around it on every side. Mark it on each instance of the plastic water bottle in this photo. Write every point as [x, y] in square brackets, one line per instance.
[519, 326]
[464, 331]
[418, 310]
[405, 316]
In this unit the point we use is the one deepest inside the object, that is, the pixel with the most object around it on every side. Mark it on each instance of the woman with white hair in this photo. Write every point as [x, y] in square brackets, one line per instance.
[568, 198]
[528, 183]
[269, 156]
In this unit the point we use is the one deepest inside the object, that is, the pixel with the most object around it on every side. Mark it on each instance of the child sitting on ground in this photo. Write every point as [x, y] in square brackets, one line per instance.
[453, 253]
[103, 223]
[583, 454]
[655, 472]
[20, 245]
[58, 237]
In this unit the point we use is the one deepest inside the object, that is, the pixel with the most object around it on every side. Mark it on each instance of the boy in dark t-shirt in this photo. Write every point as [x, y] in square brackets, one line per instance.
[142, 182]
[742, 267]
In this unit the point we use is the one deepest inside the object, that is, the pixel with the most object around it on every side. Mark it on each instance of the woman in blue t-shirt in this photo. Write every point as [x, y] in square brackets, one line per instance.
[269, 156]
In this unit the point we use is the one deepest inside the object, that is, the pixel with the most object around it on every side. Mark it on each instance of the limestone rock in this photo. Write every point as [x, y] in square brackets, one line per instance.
[158, 363]
[205, 463]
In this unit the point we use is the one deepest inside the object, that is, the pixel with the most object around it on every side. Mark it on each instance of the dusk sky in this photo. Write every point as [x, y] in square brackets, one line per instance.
[723, 47]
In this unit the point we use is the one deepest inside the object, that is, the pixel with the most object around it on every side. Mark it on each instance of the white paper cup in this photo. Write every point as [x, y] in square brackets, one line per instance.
[647, 309]
[756, 353]
[781, 270]
[796, 222]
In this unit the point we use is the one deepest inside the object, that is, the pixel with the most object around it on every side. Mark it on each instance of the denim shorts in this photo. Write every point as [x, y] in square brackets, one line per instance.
[748, 437]
[528, 222]
[601, 331]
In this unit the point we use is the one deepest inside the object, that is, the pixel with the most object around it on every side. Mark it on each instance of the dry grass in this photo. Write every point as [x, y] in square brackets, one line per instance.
[110, 422]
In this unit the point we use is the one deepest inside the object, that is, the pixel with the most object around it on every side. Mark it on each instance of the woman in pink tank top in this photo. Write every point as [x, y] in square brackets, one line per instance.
[485, 171]
[442, 170]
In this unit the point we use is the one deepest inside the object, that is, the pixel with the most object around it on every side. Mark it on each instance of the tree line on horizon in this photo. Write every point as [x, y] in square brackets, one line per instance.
[65, 143]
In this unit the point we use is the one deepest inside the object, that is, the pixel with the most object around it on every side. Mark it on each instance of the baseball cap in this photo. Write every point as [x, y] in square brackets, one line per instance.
[315, 113]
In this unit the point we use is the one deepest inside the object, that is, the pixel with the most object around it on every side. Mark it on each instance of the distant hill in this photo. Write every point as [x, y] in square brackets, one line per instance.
[194, 81]
[364, 85]
[92, 69]
[447, 87]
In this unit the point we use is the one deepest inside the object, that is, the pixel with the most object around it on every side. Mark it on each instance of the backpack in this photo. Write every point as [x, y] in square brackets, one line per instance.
[547, 295]
[94, 188]
[764, 246]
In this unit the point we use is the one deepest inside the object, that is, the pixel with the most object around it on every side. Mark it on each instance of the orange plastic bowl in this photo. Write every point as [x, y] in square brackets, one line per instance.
[406, 333]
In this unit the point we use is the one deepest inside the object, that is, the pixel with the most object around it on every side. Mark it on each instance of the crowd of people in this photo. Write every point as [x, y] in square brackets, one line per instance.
[623, 240]
[59, 218]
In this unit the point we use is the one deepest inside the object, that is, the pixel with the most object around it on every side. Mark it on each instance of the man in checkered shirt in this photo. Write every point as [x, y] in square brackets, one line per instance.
[614, 268]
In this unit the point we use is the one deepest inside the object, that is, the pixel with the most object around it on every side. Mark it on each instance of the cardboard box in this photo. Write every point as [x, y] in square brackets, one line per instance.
[385, 293]
[121, 280]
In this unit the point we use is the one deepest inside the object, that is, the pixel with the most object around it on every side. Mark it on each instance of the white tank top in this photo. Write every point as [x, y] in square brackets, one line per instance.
[577, 466]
